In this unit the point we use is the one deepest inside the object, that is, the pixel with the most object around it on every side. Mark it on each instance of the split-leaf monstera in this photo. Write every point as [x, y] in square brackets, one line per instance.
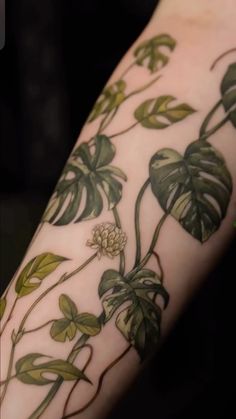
[140, 318]
[148, 53]
[88, 170]
[195, 188]
[228, 91]
[109, 100]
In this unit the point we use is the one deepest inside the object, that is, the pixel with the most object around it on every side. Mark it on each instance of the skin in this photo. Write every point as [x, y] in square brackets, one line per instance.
[187, 77]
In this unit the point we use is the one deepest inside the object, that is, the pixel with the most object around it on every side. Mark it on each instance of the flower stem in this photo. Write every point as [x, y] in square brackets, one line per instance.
[208, 118]
[222, 56]
[39, 327]
[122, 253]
[101, 378]
[137, 223]
[8, 373]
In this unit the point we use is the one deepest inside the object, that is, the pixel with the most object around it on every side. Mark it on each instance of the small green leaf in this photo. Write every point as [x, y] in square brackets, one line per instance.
[29, 373]
[111, 98]
[88, 324]
[148, 54]
[228, 91]
[62, 329]
[156, 114]
[67, 306]
[195, 188]
[140, 320]
[35, 271]
[88, 171]
[3, 303]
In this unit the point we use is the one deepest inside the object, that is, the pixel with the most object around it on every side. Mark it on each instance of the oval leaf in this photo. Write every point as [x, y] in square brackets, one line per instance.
[157, 114]
[62, 329]
[195, 188]
[67, 307]
[3, 303]
[29, 373]
[35, 271]
[228, 91]
[88, 324]
[148, 53]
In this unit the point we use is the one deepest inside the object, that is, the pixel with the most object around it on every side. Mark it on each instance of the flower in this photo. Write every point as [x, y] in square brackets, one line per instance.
[108, 239]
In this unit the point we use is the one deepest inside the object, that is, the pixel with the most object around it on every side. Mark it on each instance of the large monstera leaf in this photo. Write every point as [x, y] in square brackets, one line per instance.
[228, 91]
[88, 171]
[195, 188]
[109, 100]
[139, 314]
[148, 54]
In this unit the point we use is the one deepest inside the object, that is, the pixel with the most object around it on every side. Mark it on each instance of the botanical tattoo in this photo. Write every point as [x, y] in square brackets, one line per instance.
[194, 188]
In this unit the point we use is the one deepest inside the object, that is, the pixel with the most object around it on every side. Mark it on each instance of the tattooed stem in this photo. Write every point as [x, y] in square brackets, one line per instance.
[101, 378]
[39, 327]
[209, 116]
[77, 381]
[127, 69]
[9, 316]
[107, 120]
[142, 88]
[8, 373]
[125, 130]
[122, 253]
[215, 128]
[137, 221]
[222, 56]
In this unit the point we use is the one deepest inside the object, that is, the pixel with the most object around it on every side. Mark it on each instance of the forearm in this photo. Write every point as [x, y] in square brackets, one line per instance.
[153, 170]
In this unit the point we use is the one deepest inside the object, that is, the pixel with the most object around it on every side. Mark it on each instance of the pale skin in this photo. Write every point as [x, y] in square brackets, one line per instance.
[203, 31]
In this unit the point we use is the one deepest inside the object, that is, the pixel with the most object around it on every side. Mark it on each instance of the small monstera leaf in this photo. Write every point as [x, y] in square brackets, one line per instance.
[195, 188]
[30, 373]
[72, 322]
[157, 114]
[228, 91]
[110, 99]
[35, 271]
[88, 172]
[148, 54]
[139, 319]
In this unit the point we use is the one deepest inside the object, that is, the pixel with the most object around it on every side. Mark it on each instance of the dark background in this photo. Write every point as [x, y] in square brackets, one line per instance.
[57, 57]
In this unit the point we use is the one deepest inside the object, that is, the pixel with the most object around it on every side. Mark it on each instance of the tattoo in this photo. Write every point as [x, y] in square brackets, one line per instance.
[193, 188]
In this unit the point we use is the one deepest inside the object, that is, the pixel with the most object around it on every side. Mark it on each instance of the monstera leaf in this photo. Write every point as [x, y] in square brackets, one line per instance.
[195, 188]
[72, 321]
[30, 373]
[88, 172]
[110, 99]
[157, 114]
[148, 54]
[140, 318]
[228, 91]
[35, 271]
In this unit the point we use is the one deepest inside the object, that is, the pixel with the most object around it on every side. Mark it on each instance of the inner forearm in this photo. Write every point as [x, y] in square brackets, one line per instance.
[143, 209]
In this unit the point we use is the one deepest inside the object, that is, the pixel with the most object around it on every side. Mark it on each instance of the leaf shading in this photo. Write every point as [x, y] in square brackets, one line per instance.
[88, 172]
[228, 91]
[35, 271]
[148, 53]
[195, 188]
[30, 373]
[111, 98]
[3, 303]
[88, 324]
[140, 320]
[72, 322]
[157, 114]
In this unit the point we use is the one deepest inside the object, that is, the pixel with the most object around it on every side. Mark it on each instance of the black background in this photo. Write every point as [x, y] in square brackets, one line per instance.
[57, 57]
